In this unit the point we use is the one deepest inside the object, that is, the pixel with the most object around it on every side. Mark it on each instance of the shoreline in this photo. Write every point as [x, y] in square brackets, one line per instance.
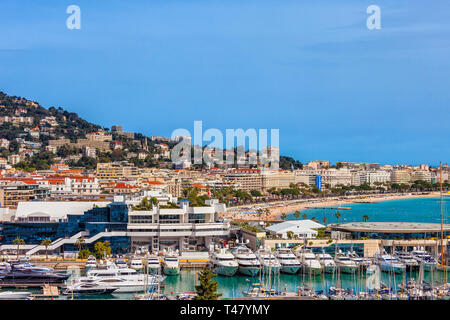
[289, 206]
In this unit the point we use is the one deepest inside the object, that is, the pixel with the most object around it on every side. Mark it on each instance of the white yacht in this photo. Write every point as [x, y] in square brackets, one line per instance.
[153, 264]
[136, 264]
[408, 259]
[327, 262]
[123, 279]
[288, 261]
[223, 263]
[121, 263]
[269, 262]
[344, 264]
[310, 265]
[14, 295]
[361, 262]
[171, 264]
[388, 263]
[91, 263]
[90, 286]
[249, 265]
[423, 257]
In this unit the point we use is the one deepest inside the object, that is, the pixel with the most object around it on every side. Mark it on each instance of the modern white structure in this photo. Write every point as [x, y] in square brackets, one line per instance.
[303, 229]
[183, 228]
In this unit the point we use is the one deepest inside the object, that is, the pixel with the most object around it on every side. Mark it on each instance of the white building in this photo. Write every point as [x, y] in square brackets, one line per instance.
[370, 177]
[184, 228]
[303, 229]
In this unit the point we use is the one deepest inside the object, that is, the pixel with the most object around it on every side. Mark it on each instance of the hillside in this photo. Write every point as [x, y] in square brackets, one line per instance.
[34, 137]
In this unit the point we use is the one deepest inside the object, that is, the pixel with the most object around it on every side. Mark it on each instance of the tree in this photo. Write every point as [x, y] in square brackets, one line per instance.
[297, 214]
[260, 211]
[325, 220]
[337, 215]
[304, 216]
[102, 249]
[18, 241]
[255, 193]
[80, 242]
[46, 243]
[365, 217]
[283, 216]
[207, 289]
[84, 254]
[290, 234]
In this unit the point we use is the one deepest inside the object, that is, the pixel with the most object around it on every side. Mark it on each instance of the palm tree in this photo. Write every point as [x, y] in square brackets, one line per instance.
[365, 217]
[304, 216]
[260, 212]
[337, 215]
[324, 219]
[46, 243]
[297, 214]
[19, 242]
[283, 216]
[80, 242]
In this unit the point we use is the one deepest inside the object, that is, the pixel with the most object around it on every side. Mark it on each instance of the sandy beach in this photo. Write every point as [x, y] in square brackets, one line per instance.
[275, 209]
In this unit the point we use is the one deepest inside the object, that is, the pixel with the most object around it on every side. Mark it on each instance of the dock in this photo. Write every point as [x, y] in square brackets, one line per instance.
[48, 292]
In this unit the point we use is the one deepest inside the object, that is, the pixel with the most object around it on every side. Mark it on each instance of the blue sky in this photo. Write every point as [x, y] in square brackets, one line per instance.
[312, 69]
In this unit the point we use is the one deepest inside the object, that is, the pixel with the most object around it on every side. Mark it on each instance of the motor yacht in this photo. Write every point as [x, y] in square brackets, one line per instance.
[25, 273]
[89, 286]
[121, 263]
[423, 257]
[361, 262]
[124, 279]
[171, 264]
[310, 265]
[388, 263]
[223, 263]
[136, 264]
[288, 261]
[344, 264]
[407, 259]
[153, 264]
[249, 264]
[327, 262]
[91, 263]
[270, 264]
[14, 295]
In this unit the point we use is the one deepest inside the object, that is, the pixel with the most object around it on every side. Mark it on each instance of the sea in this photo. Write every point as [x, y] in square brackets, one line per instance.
[402, 210]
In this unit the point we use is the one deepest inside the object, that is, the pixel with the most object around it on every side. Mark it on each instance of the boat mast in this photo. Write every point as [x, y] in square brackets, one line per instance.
[442, 221]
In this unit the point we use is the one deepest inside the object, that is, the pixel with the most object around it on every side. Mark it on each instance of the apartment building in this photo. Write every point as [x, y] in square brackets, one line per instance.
[244, 179]
[423, 175]
[371, 177]
[278, 179]
[333, 177]
[14, 191]
[107, 172]
[401, 176]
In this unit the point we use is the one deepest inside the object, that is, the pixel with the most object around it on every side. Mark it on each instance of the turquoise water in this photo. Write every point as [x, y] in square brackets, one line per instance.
[404, 210]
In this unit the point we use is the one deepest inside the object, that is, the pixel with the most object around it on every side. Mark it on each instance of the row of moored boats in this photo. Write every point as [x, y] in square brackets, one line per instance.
[243, 260]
